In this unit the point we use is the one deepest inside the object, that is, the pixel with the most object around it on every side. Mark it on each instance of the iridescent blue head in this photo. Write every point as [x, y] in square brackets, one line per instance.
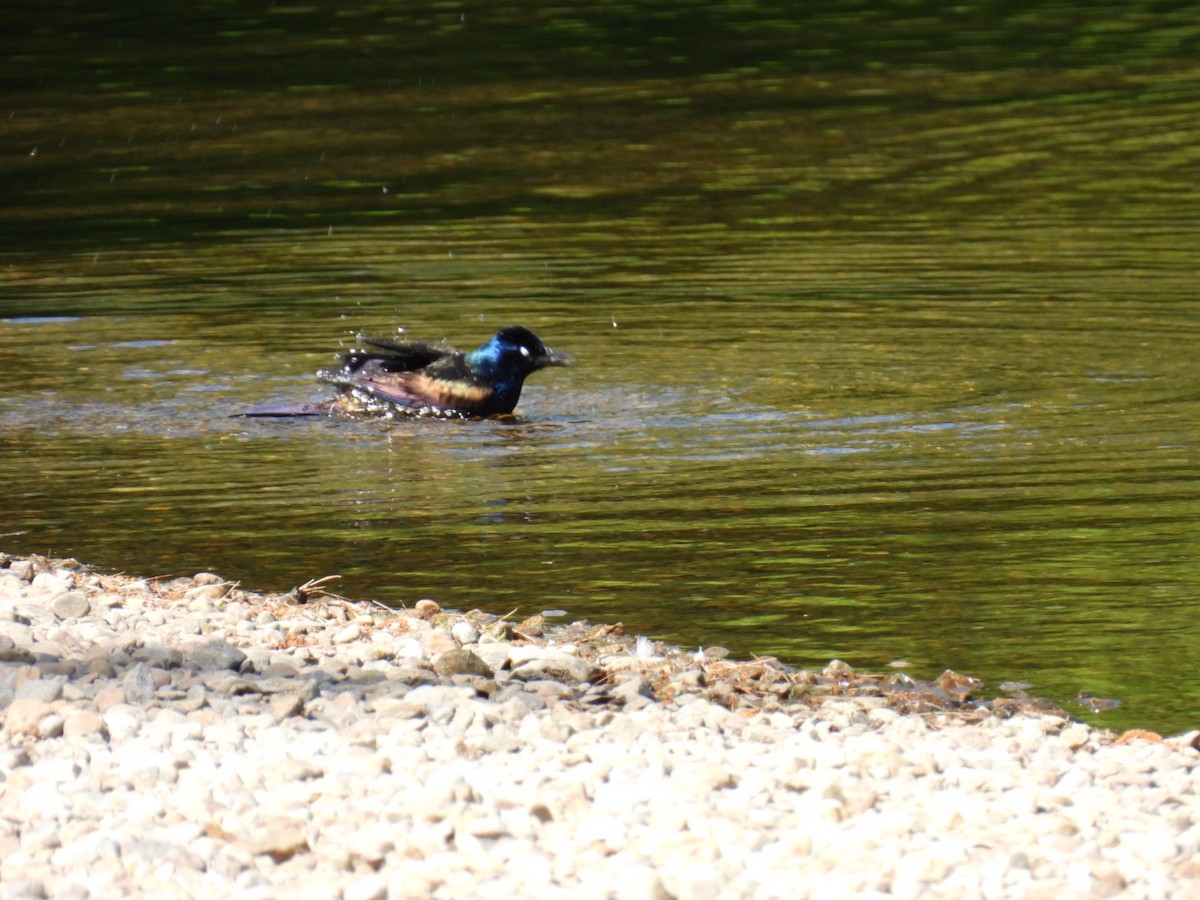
[504, 362]
[513, 353]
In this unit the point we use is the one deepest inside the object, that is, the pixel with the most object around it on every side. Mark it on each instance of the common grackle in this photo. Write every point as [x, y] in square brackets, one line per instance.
[433, 379]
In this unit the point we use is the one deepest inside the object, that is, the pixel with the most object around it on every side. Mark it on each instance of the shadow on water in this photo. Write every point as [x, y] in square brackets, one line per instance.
[884, 318]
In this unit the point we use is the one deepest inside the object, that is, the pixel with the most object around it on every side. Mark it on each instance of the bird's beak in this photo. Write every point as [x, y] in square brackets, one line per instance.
[555, 358]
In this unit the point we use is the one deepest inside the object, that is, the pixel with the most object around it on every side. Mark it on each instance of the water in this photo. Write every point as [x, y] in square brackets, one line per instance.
[885, 321]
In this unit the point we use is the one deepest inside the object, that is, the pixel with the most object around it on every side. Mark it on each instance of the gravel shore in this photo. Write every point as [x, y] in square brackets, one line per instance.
[183, 737]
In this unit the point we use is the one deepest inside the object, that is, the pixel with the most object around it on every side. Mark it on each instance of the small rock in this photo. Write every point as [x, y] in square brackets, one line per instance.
[534, 663]
[533, 627]
[81, 724]
[281, 842]
[1076, 735]
[882, 716]
[551, 689]
[159, 656]
[231, 685]
[426, 609]
[1189, 740]
[351, 632]
[438, 641]
[464, 632]
[101, 666]
[24, 569]
[205, 593]
[138, 683]
[495, 655]
[212, 654]
[279, 670]
[45, 689]
[24, 889]
[837, 670]
[12, 758]
[164, 852]
[23, 716]
[28, 614]
[372, 887]
[196, 698]
[71, 605]
[49, 583]
[88, 849]
[108, 697]
[632, 692]
[51, 726]
[284, 706]
[689, 680]
[123, 721]
[10, 652]
[461, 662]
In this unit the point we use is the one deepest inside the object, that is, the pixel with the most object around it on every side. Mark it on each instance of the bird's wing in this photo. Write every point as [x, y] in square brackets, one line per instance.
[418, 390]
[391, 357]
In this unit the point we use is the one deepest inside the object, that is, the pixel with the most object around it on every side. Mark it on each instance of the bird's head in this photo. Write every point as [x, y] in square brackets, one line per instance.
[518, 351]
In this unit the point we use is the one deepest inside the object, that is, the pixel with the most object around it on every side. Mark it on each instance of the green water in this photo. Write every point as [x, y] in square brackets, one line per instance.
[885, 318]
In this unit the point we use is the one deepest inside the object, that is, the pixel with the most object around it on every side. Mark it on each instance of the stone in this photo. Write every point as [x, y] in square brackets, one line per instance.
[23, 716]
[280, 670]
[195, 698]
[82, 724]
[122, 721]
[10, 652]
[45, 689]
[369, 887]
[438, 641]
[102, 666]
[229, 685]
[426, 609]
[461, 662]
[71, 605]
[213, 654]
[495, 655]
[108, 697]
[24, 889]
[632, 692]
[347, 634]
[138, 683]
[1076, 735]
[87, 850]
[24, 569]
[30, 614]
[211, 595]
[50, 726]
[158, 656]
[535, 663]
[49, 583]
[280, 841]
[283, 706]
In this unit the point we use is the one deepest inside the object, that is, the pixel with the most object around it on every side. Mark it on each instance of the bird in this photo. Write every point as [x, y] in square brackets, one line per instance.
[432, 379]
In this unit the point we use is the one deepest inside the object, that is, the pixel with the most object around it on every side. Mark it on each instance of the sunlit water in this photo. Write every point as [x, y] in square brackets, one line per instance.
[877, 364]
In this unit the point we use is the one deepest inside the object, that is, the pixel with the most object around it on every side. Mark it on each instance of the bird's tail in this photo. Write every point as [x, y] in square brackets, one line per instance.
[283, 412]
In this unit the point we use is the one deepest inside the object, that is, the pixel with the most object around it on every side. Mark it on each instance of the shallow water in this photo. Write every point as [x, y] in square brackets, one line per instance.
[884, 353]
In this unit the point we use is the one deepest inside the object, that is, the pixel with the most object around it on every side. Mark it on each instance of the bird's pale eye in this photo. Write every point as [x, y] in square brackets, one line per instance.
[525, 352]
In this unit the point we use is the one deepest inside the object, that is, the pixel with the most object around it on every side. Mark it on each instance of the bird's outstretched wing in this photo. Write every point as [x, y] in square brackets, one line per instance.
[393, 356]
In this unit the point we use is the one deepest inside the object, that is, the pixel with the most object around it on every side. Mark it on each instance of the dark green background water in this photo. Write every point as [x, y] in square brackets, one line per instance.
[885, 315]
